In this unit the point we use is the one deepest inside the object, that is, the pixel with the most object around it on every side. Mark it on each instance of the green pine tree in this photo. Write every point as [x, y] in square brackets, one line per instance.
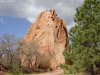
[85, 38]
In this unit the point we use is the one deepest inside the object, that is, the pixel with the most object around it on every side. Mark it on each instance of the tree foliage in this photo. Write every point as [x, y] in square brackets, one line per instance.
[31, 51]
[8, 45]
[85, 38]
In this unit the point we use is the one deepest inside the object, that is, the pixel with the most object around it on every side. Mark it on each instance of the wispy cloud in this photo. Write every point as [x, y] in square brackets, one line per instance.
[71, 25]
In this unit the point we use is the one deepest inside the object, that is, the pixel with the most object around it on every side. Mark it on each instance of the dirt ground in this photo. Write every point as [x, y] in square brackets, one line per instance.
[51, 73]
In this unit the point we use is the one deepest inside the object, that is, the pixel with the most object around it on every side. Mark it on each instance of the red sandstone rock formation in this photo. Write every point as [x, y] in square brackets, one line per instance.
[51, 33]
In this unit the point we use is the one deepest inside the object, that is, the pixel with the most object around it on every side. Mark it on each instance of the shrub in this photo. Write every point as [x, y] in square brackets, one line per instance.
[27, 70]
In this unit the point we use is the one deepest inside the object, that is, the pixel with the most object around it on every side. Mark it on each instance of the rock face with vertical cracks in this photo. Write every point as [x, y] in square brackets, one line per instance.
[51, 33]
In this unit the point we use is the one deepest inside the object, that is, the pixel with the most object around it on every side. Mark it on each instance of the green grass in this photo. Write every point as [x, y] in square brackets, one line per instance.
[22, 73]
[82, 73]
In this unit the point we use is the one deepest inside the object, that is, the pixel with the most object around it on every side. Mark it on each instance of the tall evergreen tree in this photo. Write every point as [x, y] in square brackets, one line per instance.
[85, 38]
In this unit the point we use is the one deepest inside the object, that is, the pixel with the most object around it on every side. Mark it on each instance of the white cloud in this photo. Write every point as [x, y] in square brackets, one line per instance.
[1, 20]
[31, 19]
[21, 9]
[69, 26]
[30, 9]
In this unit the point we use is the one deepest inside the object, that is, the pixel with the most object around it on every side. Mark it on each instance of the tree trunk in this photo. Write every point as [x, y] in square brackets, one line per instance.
[92, 70]
[36, 61]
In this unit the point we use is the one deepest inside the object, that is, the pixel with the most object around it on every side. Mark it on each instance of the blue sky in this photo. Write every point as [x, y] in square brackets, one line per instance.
[14, 25]
[17, 15]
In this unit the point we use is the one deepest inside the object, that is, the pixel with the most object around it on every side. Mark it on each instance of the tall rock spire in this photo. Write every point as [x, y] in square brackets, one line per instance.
[51, 33]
